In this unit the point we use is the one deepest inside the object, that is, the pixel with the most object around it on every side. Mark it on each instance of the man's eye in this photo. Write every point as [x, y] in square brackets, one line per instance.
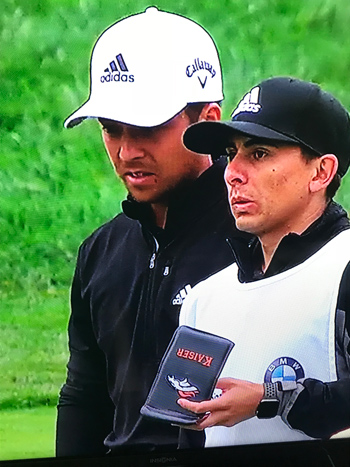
[231, 152]
[111, 128]
[112, 131]
[259, 153]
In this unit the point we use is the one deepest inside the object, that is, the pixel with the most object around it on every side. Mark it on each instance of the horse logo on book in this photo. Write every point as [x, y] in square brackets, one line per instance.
[183, 387]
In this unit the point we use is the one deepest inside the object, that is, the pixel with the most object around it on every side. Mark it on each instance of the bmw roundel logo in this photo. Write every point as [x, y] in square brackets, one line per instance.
[284, 369]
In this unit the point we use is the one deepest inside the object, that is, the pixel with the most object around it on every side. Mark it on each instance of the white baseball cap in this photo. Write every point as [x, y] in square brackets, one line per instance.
[147, 67]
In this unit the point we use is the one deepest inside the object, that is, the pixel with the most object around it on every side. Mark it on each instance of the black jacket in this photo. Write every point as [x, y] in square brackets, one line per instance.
[321, 408]
[128, 287]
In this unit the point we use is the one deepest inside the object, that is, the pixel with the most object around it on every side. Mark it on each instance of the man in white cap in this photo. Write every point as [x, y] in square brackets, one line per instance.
[152, 74]
[285, 303]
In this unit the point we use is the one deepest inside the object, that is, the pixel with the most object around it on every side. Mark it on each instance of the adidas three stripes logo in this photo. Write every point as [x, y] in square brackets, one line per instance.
[117, 71]
[114, 67]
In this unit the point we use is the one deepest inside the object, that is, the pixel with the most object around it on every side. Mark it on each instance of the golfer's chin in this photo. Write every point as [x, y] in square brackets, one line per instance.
[147, 196]
[246, 223]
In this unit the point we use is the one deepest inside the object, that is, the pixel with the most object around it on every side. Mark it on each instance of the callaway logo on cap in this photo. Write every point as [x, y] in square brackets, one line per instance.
[147, 67]
[281, 109]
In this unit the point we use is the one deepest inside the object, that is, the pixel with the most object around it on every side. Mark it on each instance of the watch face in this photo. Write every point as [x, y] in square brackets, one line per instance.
[267, 408]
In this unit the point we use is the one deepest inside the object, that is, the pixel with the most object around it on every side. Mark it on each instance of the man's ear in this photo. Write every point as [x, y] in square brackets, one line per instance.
[210, 112]
[326, 167]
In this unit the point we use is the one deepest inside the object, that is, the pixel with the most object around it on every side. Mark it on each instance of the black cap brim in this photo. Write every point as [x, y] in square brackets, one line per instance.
[214, 137]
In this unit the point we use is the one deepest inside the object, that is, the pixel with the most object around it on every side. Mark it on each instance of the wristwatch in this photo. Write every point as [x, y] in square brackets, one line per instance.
[269, 404]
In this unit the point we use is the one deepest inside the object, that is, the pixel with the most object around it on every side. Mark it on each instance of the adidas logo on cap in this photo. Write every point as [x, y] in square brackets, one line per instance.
[115, 73]
[249, 103]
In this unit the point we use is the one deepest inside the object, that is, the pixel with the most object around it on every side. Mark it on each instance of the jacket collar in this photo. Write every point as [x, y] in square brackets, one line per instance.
[293, 248]
[186, 202]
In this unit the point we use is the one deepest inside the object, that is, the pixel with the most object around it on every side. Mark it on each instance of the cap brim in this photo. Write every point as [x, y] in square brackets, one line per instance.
[214, 137]
[84, 112]
[143, 116]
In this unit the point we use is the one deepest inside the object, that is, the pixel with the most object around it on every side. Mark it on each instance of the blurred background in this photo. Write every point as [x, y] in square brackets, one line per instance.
[57, 185]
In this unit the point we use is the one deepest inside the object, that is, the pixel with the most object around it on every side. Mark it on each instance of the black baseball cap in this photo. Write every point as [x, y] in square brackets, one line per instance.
[281, 109]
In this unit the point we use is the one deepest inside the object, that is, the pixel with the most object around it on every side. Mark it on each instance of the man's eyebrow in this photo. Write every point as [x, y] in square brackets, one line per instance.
[256, 141]
[232, 145]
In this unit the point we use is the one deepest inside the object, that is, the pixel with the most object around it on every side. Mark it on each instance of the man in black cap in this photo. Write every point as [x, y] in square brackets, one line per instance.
[285, 303]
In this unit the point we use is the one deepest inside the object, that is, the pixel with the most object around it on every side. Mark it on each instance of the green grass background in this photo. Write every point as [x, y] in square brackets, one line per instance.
[57, 185]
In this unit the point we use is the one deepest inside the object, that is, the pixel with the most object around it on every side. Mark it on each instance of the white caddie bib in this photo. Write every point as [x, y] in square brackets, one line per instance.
[283, 328]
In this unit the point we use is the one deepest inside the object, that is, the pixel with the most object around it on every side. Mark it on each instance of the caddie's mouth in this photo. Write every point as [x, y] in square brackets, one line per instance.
[241, 203]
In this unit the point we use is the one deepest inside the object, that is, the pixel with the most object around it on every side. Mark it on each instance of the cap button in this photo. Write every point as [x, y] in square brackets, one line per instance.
[152, 9]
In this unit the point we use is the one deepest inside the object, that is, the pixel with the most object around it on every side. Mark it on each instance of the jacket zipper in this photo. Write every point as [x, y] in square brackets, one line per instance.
[152, 345]
[149, 318]
[154, 255]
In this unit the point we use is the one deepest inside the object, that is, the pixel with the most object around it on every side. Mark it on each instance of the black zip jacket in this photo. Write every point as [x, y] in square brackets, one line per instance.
[130, 280]
[320, 409]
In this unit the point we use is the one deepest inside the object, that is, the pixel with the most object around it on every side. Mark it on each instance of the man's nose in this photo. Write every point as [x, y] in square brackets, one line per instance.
[129, 149]
[235, 172]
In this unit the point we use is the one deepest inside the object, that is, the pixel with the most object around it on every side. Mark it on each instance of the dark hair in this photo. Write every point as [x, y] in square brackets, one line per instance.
[332, 188]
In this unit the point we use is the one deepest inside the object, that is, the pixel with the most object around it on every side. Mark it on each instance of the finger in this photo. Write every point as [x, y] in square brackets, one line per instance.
[189, 405]
[213, 419]
[204, 422]
[197, 407]
[200, 423]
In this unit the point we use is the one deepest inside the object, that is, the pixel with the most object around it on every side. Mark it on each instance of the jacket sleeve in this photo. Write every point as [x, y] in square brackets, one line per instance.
[321, 409]
[85, 410]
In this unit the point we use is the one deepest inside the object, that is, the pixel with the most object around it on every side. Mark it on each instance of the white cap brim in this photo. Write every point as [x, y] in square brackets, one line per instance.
[144, 112]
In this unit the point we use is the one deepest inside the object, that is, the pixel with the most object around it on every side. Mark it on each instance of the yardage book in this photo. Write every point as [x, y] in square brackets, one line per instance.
[190, 369]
